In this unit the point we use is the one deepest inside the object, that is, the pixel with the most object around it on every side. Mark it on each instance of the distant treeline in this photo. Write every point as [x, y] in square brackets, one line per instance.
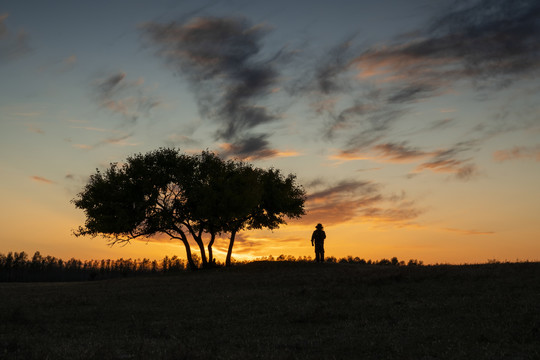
[19, 266]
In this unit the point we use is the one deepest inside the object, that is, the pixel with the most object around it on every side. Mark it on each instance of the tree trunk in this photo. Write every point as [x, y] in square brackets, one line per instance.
[229, 252]
[198, 240]
[210, 244]
[192, 265]
[203, 252]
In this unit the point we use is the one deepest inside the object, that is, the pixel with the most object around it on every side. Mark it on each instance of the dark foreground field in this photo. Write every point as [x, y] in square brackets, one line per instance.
[281, 311]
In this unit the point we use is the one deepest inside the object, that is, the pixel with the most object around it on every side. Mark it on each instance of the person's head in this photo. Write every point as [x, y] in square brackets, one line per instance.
[319, 226]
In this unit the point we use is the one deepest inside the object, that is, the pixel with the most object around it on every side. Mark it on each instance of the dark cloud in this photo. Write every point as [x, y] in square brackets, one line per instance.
[329, 72]
[492, 38]
[346, 187]
[452, 161]
[222, 59]
[411, 93]
[488, 44]
[124, 97]
[252, 147]
[461, 169]
[440, 124]
[398, 152]
[355, 200]
[12, 46]
[369, 129]
[488, 40]
[108, 86]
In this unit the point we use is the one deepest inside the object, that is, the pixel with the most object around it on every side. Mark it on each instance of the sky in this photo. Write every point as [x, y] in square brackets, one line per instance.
[413, 126]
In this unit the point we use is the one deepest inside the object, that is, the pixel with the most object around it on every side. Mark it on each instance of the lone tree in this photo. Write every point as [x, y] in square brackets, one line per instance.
[167, 192]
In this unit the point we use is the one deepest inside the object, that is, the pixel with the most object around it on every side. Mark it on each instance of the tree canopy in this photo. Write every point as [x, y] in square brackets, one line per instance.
[179, 195]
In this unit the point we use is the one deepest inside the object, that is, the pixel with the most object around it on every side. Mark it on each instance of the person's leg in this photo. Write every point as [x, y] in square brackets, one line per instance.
[319, 251]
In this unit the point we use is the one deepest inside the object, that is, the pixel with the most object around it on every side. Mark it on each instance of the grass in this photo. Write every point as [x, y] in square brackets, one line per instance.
[281, 310]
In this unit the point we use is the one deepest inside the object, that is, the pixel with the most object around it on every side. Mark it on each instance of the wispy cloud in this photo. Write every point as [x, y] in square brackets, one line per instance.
[180, 139]
[41, 180]
[355, 200]
[453, 160]
[485, 45]
[253, 148]
[124, 97]
[221, 58]
[518, 152]
[481, 40]
[387, 152]
[461, 169]
[116, 140]
[12, 46]
[448, 161]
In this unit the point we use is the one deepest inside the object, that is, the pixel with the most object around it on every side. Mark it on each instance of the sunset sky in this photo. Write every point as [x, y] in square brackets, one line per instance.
[414, 126]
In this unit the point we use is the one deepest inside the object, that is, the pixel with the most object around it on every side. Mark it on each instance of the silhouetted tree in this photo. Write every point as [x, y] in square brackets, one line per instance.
[167, 192]
[262, 198]
[143, 197]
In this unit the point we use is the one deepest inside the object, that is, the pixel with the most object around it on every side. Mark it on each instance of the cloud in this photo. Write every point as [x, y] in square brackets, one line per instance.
[175, 139]
[330, 70]
[339, 203]
[221, 58]
[344, 188]
[253, 148]
[41, 180]
[447, 161]
[485, 44]
[518, 152]
[364, 128]
[386, 152]
[126, 98]
[12, 46]
[460, 169]
[360, 201]
[117, 140]
[481, 40]
[450, 161]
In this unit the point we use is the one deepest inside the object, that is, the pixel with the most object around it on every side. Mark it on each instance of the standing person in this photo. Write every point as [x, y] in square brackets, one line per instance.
[317, 240]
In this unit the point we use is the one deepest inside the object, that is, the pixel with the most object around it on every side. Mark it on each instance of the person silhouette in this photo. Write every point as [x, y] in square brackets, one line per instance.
[317, 240]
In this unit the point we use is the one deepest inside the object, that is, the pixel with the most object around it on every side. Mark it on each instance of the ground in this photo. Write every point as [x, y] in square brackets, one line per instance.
[281, 310]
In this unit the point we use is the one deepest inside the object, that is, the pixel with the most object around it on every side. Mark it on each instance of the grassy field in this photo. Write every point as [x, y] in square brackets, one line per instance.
[281, 310]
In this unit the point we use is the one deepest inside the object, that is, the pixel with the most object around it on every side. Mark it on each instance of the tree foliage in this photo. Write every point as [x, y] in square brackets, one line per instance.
[180, 195]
